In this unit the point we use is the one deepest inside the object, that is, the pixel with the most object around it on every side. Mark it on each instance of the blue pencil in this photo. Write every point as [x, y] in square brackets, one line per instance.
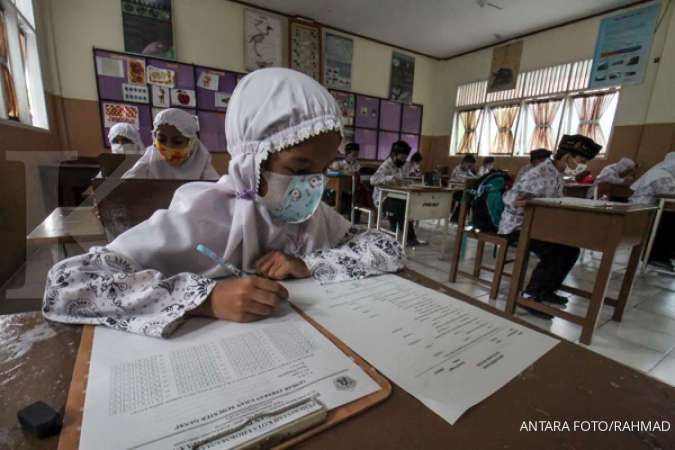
[204, 250]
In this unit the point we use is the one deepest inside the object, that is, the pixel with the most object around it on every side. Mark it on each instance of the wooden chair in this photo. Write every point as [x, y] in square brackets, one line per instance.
[463, 231]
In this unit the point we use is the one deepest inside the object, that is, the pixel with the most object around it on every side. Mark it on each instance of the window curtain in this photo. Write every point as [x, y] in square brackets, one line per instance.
[505, 117]
[543, 114]
[590, 110]
[469, 121]
[8, 89]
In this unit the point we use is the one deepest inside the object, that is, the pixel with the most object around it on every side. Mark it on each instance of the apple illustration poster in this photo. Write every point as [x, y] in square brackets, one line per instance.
[183, 97]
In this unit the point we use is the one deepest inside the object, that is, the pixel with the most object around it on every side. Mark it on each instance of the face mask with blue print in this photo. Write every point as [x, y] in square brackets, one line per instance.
[293, 198]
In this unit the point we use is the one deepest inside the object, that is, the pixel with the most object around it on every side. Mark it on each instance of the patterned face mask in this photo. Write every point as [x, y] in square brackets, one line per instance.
[293, 198]
[174, 156]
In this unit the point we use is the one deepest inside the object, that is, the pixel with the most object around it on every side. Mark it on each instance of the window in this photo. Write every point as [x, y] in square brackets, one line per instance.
[545, 104]
[21, 92]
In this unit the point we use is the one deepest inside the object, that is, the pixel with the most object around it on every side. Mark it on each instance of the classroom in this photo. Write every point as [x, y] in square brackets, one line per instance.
[337, 224]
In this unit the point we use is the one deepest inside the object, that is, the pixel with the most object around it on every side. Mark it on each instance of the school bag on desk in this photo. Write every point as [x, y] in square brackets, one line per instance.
[487, 204]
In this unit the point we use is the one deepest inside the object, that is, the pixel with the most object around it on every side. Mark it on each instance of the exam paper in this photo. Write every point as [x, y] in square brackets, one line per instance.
[211, 376]
[448, 354]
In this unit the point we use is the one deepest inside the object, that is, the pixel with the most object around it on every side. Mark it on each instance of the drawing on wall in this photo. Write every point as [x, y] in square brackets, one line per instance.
[208, 80]
[305, 48]
[110, 67]
[148, 27]
[505, 67]
[119, 113]
[402, 77]
[183, 97]
[134, 93]
[338, 64]
[161, 77]
[161, 96]
[262, 40]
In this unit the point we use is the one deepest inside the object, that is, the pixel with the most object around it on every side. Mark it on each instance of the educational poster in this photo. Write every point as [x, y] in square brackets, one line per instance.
[148, 27]
[183, 97]
[305, 48]
[623, 47]
[134, 93]
[402, 77]
[262, 40]
[161, 77]
[221, 99]
[208, 80]
[161, 96]
[505, 67]
[110, 67]
[346, 102]
[339, 51]
[136, 71]
[116, 112]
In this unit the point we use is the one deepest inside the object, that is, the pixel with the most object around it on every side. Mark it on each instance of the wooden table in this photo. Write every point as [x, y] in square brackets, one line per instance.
[665, 203]
[603, 229]
[340, 183]
[568, 383]
[579, 190]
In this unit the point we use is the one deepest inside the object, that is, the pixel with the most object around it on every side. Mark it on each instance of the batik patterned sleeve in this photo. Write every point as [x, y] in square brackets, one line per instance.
[358, 256]
[664, 186]
[384, 174]
[105, 288]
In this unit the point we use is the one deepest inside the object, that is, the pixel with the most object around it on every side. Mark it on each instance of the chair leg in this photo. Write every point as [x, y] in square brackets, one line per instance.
[479, 258]
[500, 262]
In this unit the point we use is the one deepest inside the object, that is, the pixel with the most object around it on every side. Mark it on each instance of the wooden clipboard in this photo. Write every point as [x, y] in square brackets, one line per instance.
[72, 422]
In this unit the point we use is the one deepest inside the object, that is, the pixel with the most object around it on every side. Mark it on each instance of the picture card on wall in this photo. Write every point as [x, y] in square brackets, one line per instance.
[338, 61]
[119, 113]
[161, 96]
[221, 99]
[161, 77]
[136, 71]
[208, 80]
[110, 67]
[135, 93]
[305, 48]
[402, 77]
[262, 40]
[183, 97]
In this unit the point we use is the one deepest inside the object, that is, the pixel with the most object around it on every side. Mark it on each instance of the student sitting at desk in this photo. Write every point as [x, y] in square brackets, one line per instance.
[125, 139]
[546, 180]
[265, 216]
[621, 172]
[177, 152]
[488, 165]
[350, 164]
[466, 169]
[537, 157]
[412, 168]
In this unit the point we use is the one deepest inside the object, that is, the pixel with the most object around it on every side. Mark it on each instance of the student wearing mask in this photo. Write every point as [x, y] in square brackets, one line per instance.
[176, 152]
[546, 180]
[125, 139]
[413, 166]
[466, 169]
[488, 165]
[264, 217]
[350, 164]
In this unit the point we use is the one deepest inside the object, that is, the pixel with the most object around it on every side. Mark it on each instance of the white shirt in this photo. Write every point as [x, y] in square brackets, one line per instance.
[386, 173]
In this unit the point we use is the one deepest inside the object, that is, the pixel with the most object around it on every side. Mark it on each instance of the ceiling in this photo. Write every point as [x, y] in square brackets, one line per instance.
[441, 28]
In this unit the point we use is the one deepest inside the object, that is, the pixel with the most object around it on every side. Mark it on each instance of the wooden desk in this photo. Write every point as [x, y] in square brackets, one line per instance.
[67, 224]
[568, 383]
[578, 190]
[604, 229]
[339, 184]
[665, 203]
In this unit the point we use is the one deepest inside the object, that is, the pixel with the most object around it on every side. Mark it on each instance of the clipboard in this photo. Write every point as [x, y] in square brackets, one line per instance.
[69, 438]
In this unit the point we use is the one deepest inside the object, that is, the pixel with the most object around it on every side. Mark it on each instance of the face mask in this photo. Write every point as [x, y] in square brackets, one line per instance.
[580, 167]
[293, 198]
[123, 148]
[174, 156]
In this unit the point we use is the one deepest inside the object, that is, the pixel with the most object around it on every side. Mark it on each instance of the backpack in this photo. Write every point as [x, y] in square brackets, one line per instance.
[487, 204]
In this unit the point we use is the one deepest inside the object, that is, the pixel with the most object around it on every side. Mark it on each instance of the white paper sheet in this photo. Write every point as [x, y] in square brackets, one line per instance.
[208, 80]
[448, 354]
[164, 394]
[109, 67]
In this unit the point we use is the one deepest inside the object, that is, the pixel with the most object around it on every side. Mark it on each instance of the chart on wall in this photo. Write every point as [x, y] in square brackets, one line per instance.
[148, 27]
[345, 101]
[305, 48]
[338, 61]
[505, 67]
[623, 47]
[262, 40]
[402, 77]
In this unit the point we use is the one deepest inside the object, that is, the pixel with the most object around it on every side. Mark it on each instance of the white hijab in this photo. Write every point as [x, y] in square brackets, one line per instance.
[615, 170]
[196, 167]
[130, 132]
[270, 110]
[665, 168]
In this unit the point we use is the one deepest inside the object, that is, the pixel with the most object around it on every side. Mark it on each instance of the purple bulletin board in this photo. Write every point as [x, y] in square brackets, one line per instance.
[390, 115]
[185, 76]
[110, 87]
[206, 97]
[411, 119]
[386, 139]
[144, 120]
[367, 111]
[413, 141]
[212, 130]
[367, 140]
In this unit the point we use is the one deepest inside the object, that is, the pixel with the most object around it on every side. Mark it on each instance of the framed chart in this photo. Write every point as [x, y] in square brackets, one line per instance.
[402, 77]
[305, 48]
[262, 40]
[338, 56]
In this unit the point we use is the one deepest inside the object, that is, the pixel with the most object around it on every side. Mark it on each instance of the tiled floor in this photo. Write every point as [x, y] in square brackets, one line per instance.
[645, 339]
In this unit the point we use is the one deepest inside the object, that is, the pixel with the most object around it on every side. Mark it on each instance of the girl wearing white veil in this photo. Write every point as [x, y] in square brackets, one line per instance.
[264, 217]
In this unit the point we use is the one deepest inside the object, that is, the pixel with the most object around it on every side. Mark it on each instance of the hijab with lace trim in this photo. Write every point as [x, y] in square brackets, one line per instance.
[270, 110]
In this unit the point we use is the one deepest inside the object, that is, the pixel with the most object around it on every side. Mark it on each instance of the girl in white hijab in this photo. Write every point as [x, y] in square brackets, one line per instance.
[177, 152]
[125, 139]
[617, 173]
[658, 180]
[264, 217]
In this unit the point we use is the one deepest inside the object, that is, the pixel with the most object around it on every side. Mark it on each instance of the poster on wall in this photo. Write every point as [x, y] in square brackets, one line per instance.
[134, 93]
[339, 51]
[110, 67]
[305, 48]
[402, 77]
[623, 47]
[208, 80]
[136, 71]
[345, 101]
[262, 40]
[161, 96]
[161, 77]
[119, 113]
[148, 27]
[183, 97]
[505, 67]
[221, 99]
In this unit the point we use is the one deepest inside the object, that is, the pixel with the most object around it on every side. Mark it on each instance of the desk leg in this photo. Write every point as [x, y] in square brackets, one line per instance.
[652, 235]
[520, 265]
[627, 283]
[404, 239]
[338, 196]
[379, 209]
[457, 251]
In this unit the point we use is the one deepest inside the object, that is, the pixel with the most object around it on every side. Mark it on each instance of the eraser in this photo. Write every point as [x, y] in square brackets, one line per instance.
[40, 419]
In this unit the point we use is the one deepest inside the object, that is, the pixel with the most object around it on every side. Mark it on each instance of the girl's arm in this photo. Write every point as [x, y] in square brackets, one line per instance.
[106, 288]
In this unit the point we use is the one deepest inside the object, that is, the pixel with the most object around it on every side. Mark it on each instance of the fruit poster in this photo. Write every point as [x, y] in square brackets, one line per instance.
[183, 97]
[119, 113]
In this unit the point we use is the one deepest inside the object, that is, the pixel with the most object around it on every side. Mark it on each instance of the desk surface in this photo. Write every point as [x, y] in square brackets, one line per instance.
[67, 224]
[568, 383]
[419, 189]
[586, 205]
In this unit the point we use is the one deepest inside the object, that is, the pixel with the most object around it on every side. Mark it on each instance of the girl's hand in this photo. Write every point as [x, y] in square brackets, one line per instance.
[521, 200]
[278, 266]
[242, 299]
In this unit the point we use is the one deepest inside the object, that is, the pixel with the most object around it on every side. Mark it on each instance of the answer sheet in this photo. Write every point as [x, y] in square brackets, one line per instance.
[448, 354]
[210, 376]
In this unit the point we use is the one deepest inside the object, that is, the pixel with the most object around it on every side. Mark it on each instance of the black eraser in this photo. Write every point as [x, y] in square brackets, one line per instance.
[40, 419]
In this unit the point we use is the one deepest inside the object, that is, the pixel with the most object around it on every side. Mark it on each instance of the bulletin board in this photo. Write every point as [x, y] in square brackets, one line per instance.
[134, 88]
